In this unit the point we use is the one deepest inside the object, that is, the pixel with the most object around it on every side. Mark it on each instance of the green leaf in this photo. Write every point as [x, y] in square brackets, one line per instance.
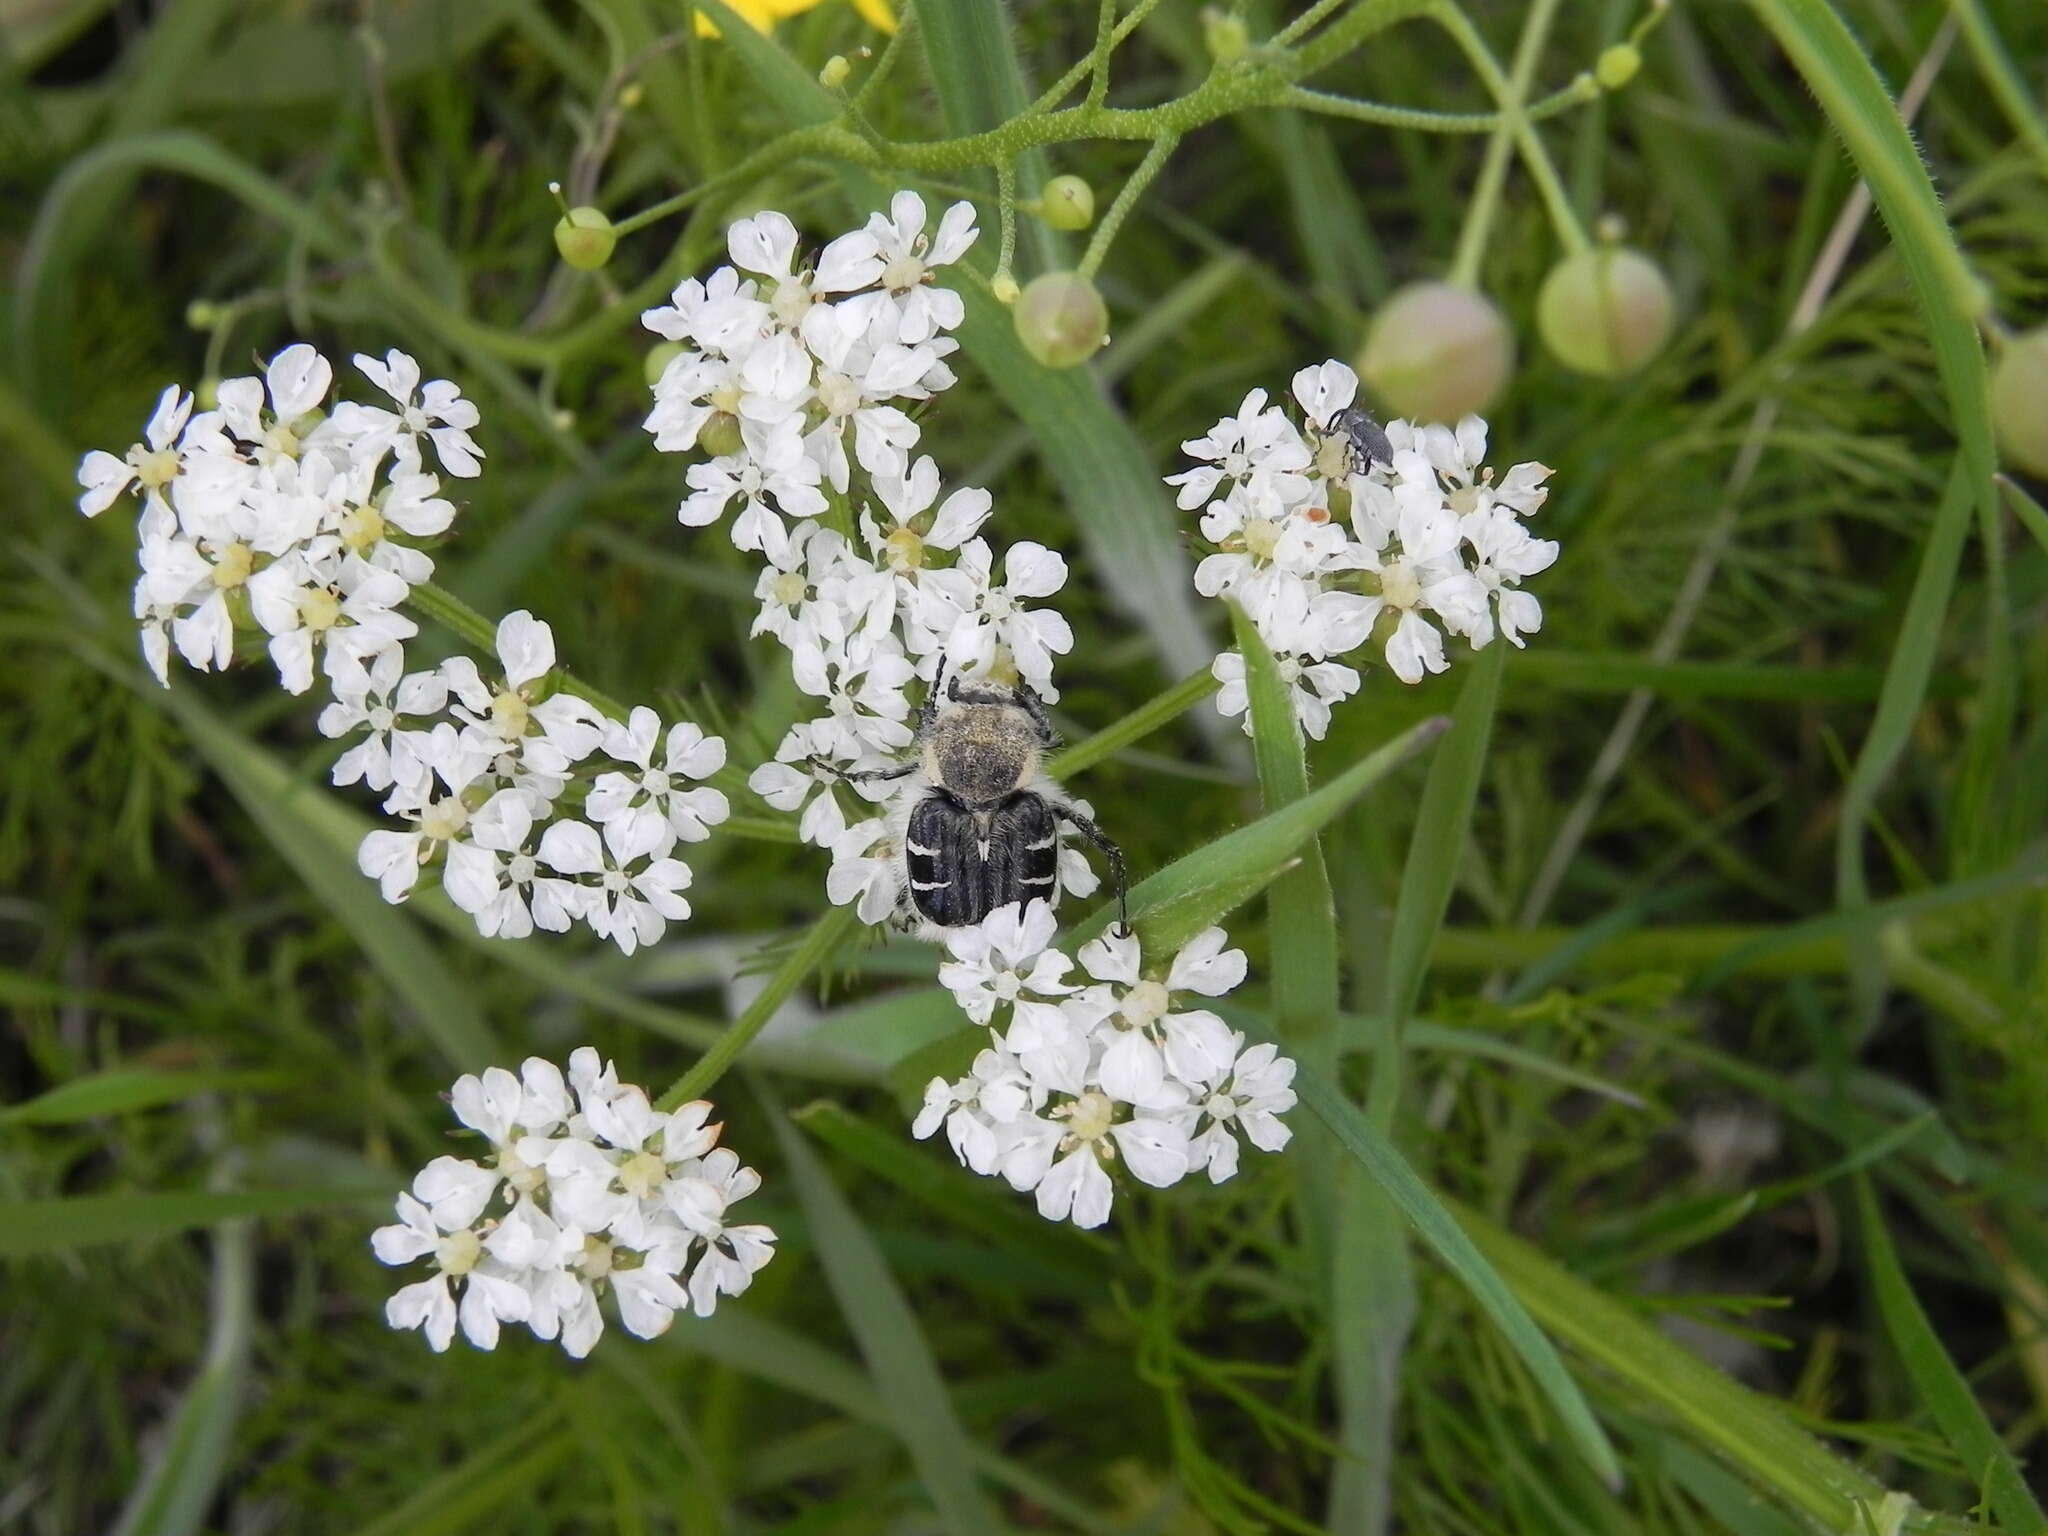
[124, 1090]
[1944, 1391]
[79, 1221]
[1434, 1224]
[1201, 889]
[898, 1355]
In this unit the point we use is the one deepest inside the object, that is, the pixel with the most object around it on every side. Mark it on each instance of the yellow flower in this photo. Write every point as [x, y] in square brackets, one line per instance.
[762, 15]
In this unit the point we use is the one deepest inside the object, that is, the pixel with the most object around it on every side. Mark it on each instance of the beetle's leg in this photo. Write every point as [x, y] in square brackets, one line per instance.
[862, 775]
[1032, 705]
[1113, 854]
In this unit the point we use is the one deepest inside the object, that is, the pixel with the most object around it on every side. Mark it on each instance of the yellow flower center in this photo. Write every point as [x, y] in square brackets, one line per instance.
[1261, 537]
[1091, 1115]
[510, 713]
[789, 588]
[320, 610]
[156, 469]
[444, 819]
[597, 1258]
[904, 550]
[641, 1174]
[1400, 586]
[458, 1252]
[1145, 1004]
[232, 569]
[362, 529]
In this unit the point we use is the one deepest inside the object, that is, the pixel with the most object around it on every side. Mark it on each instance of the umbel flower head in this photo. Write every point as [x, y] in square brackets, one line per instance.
[582, 1190]
[303, 518]
[1328, 549]
[1118, 1065]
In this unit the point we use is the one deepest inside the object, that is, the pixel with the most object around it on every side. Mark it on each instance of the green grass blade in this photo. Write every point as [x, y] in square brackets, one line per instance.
[1749, 1431]
[1441, 827]
[176, 1492]
[124, 1090]
[1445, 1238]
[1352, 1228]
[1198, 891]
[1943, 1390]
[898, 1355]
[1301, 917]
[461, 1498]
[81, 1221]
[1951, 300]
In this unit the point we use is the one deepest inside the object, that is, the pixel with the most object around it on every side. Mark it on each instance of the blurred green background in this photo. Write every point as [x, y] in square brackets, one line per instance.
[1666, 1075]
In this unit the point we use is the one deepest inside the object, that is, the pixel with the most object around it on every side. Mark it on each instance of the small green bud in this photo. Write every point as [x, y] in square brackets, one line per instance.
[1436, 352]
[1067, 202]
[1061, 319]
[1617, 66]
[631, 94]
[1605, 312]
[203, 314]
[2019, 400]
[834, 74]
[1225, 34]
[585, 238]
[1004, 287]
[721, 435]
[658, 359]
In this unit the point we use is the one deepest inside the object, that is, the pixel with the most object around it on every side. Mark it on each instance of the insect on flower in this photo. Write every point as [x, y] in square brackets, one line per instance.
[976, 825]
[1369, 444]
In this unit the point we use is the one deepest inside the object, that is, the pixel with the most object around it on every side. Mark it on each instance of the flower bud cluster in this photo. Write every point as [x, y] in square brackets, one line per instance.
[796, 375]
[584, 1189]
[1083, 1072]
[273, 510]
[1328, 545]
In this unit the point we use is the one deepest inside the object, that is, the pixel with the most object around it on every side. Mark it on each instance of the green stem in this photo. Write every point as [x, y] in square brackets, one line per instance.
[1510, 92]
[1006, 211]
[1126, 199]
[1098, 58]
[825, 937]
[1578, 93]
[1057, 91]
[1303, 23]
[1138, 724]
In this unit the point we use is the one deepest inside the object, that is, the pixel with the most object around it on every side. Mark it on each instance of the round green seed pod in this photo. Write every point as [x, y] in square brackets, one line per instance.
[1436, 352]
[1605, 311]
[1617, 66]
[658, 358]
[1067, 202]
[585, 238]
[1061, 319]
[2019, 401]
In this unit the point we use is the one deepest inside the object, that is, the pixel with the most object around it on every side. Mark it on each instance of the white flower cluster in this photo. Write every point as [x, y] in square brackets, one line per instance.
[298, 513]
[600, 1191]
[1083, 1072]
[271, 508]
[873, 579]
[1431, 534]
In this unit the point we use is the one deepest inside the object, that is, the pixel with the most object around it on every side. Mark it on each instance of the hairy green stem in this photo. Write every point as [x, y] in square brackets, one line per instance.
[1127, 199]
